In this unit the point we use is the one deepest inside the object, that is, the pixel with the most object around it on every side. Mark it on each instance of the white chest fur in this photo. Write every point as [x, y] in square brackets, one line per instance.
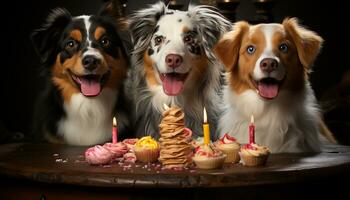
[88, 119]
[286, 124]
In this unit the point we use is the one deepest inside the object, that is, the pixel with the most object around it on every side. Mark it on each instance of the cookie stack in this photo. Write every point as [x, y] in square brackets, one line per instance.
[175, 150]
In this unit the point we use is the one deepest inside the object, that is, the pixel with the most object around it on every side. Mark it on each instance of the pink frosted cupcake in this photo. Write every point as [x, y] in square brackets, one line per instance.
[254, 155]
[147, 149]
[208, 157]
[98, 155]
[229, 146]
[117, 149]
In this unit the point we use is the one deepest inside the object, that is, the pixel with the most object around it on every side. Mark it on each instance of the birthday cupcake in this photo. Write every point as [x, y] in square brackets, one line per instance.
[229, 146]
[147, 149]
[208, 157]
[254, 155]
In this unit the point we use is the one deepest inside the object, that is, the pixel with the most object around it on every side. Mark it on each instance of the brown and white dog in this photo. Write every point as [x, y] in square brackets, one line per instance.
[267, 76]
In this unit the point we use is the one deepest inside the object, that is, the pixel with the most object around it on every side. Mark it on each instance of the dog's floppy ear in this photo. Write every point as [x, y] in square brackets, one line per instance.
[210, 24]
[45, 39]
[143, 23]
[227, 49]
[308, 43]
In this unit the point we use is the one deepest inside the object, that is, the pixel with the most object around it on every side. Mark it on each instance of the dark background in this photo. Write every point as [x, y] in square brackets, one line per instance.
[19, 82]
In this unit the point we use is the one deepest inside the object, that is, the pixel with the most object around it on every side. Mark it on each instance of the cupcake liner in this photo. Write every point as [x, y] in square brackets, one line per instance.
[146, 155]
[232, 155]
[210, 162]
[253, 161]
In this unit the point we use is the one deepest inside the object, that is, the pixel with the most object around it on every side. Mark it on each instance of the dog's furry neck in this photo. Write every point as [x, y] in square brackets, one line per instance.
[149, 102]
[276, 122]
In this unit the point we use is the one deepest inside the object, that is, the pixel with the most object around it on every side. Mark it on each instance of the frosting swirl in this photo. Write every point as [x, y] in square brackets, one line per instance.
[147, 142]
[254, 150]
[98, 155]
[227, 142]
[207, 151]
[117, 149]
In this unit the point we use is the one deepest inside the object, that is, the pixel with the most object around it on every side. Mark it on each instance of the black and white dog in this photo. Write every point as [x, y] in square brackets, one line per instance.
[85, 64]
[173, 64]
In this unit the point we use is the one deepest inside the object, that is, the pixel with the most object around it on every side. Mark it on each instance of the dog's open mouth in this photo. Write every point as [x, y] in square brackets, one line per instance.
[268, 87]
[173, 83]
[90, 85]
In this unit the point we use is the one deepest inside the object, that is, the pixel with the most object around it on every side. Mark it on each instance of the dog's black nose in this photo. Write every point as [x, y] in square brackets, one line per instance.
[173, 60]
[90, 62]
[268, 64]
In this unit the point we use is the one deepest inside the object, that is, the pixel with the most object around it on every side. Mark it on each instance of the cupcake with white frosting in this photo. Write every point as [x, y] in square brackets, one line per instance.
[254, 155]
[229, 146]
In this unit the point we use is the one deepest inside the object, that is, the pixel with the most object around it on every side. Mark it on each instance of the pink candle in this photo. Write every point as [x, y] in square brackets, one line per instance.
[114, 131]
[251, 131]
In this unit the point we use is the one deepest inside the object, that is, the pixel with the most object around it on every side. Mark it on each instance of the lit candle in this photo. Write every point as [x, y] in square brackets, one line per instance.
[114, 131]
[251, 131]
[206, 131]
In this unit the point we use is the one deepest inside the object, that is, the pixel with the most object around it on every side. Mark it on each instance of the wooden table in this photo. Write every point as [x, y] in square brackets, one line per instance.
[62, 168]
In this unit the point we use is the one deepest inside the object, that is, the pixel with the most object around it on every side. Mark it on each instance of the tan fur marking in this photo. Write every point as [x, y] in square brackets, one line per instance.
[296, 77]
[227, 49]
[185, 29]
[308, 43]
[62, 79]
[240, 78]
[99, 33]
[149, 70]
[76, 35]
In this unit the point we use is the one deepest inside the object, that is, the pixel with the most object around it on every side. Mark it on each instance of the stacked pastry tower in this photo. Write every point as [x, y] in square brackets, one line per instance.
[175, 150]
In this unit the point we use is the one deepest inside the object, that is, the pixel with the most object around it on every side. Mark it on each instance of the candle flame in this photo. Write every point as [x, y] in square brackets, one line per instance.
[205, 118]
[252, 119]
[166, 107]
[114, 121]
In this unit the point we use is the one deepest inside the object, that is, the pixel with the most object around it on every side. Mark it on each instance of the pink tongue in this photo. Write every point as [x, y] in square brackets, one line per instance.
[172, 86]
[90, 87]
[268, 91]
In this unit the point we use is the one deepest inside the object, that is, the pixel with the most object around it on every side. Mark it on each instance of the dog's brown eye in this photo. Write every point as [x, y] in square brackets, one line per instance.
[188, 39]
[105, 42]
[250, 49]
[283, 47]
[158, 40]
[70, 44]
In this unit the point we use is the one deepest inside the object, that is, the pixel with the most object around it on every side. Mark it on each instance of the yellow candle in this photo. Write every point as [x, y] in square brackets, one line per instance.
[206, 131]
